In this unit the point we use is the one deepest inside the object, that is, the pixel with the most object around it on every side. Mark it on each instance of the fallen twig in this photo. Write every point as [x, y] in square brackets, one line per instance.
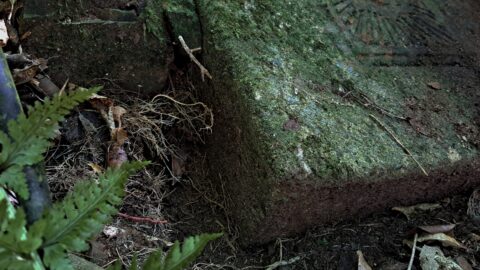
[399, 142]
[203, 70]
[410, 264]
[142, 219]
[283, 263]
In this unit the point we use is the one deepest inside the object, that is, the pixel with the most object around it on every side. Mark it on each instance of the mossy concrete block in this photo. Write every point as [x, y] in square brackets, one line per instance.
[184, 21]
[86, 43]
[316, 117]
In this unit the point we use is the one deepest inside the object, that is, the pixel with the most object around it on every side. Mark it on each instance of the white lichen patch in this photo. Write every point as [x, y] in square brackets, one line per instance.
[453, 155]
[301, 160]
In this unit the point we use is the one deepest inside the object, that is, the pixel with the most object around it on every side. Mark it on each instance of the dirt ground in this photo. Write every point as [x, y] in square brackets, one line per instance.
[174, 190]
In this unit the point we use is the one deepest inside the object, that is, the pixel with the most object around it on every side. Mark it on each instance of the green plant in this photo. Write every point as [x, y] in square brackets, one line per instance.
[70, 223]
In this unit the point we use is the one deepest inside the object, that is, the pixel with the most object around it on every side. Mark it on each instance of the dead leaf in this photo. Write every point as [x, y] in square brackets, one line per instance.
[474, 206]
[437, 228]
[474, 237]
[25, 75]
[96, 168]
[178, 166]
[100, 102]
[119, 136]
[104, 106]
[3, 34]
[463, 263]
[118, 112]
[116, 156]
[447, 241]
[411, 210]
[432, 258]
[362, 263]
[435, 85]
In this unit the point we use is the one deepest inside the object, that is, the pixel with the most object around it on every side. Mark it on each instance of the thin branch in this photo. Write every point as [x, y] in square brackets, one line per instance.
[410, 264]
[142, 219]
[203, 70]
[399, 143]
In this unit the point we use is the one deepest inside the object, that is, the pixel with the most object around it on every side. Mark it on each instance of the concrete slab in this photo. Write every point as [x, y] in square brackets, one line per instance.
[332, 109]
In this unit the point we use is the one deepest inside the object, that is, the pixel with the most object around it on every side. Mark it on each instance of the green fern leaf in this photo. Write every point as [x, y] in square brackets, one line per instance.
[178, 256]
[17, 247]
[30, 134]
[116, 266]
[155, 261]
[13, 233]
[55, 257]
[29, 137]
[14, 178]
[84, 211]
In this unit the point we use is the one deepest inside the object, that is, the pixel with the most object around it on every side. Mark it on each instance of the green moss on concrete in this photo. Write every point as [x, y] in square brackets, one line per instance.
[279, 60]
[184, 21]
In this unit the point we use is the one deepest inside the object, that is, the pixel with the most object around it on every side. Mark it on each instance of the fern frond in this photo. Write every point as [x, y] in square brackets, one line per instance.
[85, 210]
[14, 178]
[17, 247]
[29, 136]
[179, 257]
[55, 257]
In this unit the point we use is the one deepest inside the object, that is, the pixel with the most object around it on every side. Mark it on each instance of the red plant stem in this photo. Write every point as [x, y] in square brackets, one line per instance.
[142, 219]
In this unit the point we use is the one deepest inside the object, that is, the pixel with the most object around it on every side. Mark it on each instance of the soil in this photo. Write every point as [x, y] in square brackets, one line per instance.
[188, 205]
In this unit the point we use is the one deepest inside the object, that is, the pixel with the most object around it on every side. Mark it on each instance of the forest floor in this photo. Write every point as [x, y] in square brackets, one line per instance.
[171, 198]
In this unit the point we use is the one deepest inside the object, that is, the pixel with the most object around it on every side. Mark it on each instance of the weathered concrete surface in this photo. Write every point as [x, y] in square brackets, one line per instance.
[93, 40]
[297, 88]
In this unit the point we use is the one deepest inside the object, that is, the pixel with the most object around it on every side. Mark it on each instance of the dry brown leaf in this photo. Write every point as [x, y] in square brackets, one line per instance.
[100, 102]
[362, 263]
[116, 156]
[463, 263]
[119, 136]
[474, 206]
[435, 85]
[96, 168]
[474, 237]
[447, 241]
[3, 34]
[118, 112]
[104, 105]
[178, 167]
[25, 75]
[437, 228]
[411, 210]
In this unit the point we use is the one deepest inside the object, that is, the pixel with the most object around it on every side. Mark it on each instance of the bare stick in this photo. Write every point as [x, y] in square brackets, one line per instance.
[410, 264]
[283, 263]
[399, 143]
[142, 219]
[203, 70]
